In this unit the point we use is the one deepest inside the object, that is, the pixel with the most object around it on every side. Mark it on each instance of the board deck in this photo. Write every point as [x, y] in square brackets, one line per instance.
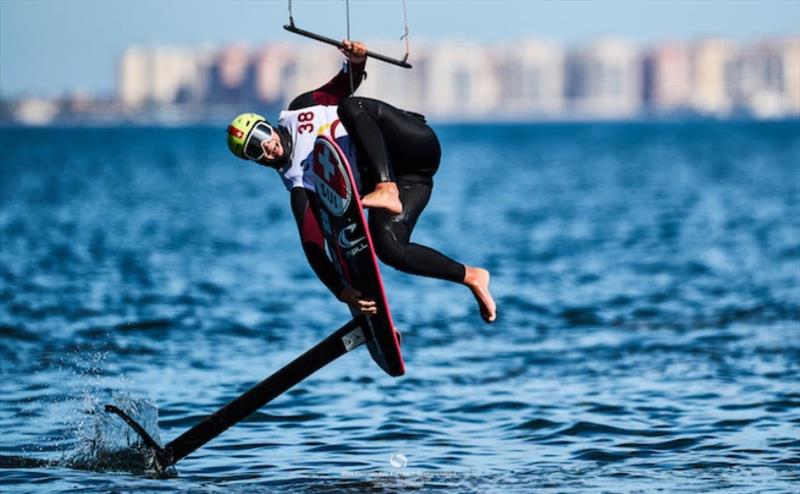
[350, 247]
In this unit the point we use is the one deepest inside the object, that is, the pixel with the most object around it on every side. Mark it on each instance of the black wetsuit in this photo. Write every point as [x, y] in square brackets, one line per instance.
[397, 145]
[391, 144]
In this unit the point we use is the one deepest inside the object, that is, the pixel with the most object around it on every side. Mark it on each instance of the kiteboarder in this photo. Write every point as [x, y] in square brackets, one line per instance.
[397, 155]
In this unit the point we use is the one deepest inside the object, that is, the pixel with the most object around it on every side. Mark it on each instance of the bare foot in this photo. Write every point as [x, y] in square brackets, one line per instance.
[386, 196]
[477, 279]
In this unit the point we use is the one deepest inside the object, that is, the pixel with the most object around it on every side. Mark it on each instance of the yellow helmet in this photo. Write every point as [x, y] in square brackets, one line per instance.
[239, 130]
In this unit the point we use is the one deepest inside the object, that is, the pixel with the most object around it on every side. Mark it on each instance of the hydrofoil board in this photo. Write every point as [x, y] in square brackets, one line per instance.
[350, 247]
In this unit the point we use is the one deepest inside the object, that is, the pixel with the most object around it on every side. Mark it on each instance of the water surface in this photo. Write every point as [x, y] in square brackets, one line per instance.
[647, 276]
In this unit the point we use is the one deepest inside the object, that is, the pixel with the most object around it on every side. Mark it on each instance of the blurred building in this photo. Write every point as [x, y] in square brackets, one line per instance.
[274, 66]
[160, 75]
[765, 78]
[531, 79]
[232, 77]
[35, 111]
[460, 81]
[604, 80]
[313, 66]
[712, 74]
[667, 79]
[791, 74]
[401, 87]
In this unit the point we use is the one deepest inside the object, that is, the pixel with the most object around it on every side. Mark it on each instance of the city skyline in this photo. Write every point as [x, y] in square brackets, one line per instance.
[52, 48]
[528, 80]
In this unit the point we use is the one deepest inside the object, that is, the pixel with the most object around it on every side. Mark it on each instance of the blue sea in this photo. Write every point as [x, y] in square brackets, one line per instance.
[648, 285]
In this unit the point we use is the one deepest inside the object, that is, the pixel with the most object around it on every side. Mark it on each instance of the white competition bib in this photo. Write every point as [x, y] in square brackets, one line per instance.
[304, 126]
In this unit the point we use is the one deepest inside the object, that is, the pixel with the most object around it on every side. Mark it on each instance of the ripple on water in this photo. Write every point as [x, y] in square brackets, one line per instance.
[584, 429]
[646, 277]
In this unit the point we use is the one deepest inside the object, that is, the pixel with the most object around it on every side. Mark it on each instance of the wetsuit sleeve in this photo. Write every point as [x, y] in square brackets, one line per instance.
[312, 240]
[334, 90]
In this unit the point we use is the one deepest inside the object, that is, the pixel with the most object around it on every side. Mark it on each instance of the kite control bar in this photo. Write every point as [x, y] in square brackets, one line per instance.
[308, 34]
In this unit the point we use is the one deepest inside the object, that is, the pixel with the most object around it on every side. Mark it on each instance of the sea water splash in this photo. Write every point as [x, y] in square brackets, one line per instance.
[103, 442]
[647, 278]
[83, 435]
[89, 438]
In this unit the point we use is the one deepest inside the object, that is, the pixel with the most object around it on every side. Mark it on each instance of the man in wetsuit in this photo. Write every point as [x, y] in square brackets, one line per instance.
[397, 154]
